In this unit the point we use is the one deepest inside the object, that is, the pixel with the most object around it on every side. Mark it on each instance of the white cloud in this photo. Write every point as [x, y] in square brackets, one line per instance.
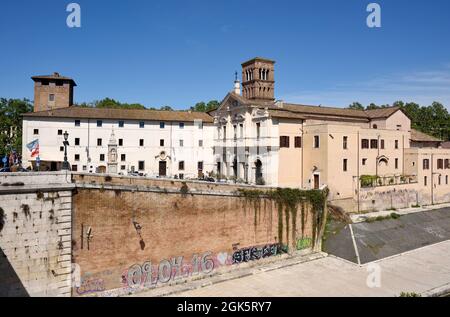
[422, 87]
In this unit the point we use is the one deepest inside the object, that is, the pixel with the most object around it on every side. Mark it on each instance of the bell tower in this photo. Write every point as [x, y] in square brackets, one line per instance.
[258, 80]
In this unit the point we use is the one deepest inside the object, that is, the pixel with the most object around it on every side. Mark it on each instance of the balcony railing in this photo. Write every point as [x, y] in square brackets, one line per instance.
[370, 181]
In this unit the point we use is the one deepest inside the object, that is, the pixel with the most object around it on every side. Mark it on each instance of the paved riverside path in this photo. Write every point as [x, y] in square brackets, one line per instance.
[416, 271]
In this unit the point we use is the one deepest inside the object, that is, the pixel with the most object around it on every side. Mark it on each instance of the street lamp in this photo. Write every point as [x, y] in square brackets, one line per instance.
[65, 165]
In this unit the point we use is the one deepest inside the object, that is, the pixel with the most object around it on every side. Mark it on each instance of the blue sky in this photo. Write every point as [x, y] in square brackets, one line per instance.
[176, 52]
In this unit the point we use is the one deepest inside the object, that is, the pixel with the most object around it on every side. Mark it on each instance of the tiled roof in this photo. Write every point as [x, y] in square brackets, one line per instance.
[422, 137]
[446, 145]
[54, 76]
[382, 112]
[285, 114]
[328, 111]
[117, 114]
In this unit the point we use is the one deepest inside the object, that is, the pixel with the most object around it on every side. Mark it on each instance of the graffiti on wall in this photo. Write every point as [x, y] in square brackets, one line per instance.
[256, 253]
[90, 286]
[147, 276]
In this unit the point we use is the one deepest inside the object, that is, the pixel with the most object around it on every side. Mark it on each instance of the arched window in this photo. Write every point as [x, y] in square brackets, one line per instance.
[375, 126]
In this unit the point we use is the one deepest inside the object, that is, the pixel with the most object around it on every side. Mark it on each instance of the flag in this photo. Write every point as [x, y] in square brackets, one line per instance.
[34, 147]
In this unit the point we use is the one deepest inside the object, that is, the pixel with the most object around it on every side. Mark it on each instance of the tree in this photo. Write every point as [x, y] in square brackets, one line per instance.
[356, 106]
[11, 111]
[203, 107]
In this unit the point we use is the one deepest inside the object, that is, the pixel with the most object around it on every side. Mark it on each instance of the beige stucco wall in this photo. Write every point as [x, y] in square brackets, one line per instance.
[290, 159]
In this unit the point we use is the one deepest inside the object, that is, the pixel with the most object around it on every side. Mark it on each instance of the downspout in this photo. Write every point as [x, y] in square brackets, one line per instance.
[302, 148]
[403, 155]
[358, 183]
[432, 179]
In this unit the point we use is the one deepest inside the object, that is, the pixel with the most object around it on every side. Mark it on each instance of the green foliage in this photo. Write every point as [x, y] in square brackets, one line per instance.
[111, 104]
[433, 119]
[288, 200]
[368, 180]
[11, 111]
[203, 107]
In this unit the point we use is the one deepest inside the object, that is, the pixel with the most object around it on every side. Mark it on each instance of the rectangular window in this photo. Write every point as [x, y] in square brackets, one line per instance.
[447, 164]
[200, 166]
[161, 142]
[364, 144]
[77, 157]
[84, 168]
[446, 180]
[181, 176]
[141, 124]
[60, 132]
[396, 163]
[425, 181]
[51, 97]
[102, 157]
[120, 142]
[440, 164]
[298, 141]
[99, 123]
[241, 130]
[284, 141]
[439, 180]
[77, 123]
[396, 144]
[200, 143]
[181, 125]
[123, 157]
[345, 142]
[122, 167]
[99, 142]
[258, 130]
[162, 125]
[181, 143]
[141, 165]
[77, 141]
[61, 148]
[181, 165]
[382, 144]
[235, 132]
[426, 164]
[224, 133]
[364, 161]
[374, 144]
[121, 124]
[141, 142]
[74, 168]
[36, 131]
[344, 165]
[316, 142]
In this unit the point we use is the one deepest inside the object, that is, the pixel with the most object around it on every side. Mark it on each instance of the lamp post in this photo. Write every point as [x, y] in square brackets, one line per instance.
[65, 165]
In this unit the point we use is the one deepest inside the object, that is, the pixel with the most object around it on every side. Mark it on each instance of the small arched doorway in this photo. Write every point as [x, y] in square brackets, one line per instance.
[259, 180]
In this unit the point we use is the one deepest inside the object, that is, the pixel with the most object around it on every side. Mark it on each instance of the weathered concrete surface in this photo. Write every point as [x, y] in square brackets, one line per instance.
[35, 234]
[381, 239]
[423, 271]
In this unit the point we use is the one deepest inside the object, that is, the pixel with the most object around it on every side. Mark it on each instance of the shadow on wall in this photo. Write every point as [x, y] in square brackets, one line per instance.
[10, 284]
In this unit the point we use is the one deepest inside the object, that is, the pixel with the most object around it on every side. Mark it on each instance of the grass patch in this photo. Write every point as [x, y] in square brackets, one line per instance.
[382, 218]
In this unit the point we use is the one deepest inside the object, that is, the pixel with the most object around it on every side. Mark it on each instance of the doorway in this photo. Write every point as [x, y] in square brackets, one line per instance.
[316, 181]
[162, 168]
[258, 173]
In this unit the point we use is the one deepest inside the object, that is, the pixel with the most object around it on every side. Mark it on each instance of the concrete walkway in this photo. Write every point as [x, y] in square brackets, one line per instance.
[357, 218]
[423, 271]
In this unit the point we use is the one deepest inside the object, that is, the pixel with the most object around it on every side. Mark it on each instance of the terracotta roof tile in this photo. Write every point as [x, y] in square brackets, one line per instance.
[422, 137]
[117, 114]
